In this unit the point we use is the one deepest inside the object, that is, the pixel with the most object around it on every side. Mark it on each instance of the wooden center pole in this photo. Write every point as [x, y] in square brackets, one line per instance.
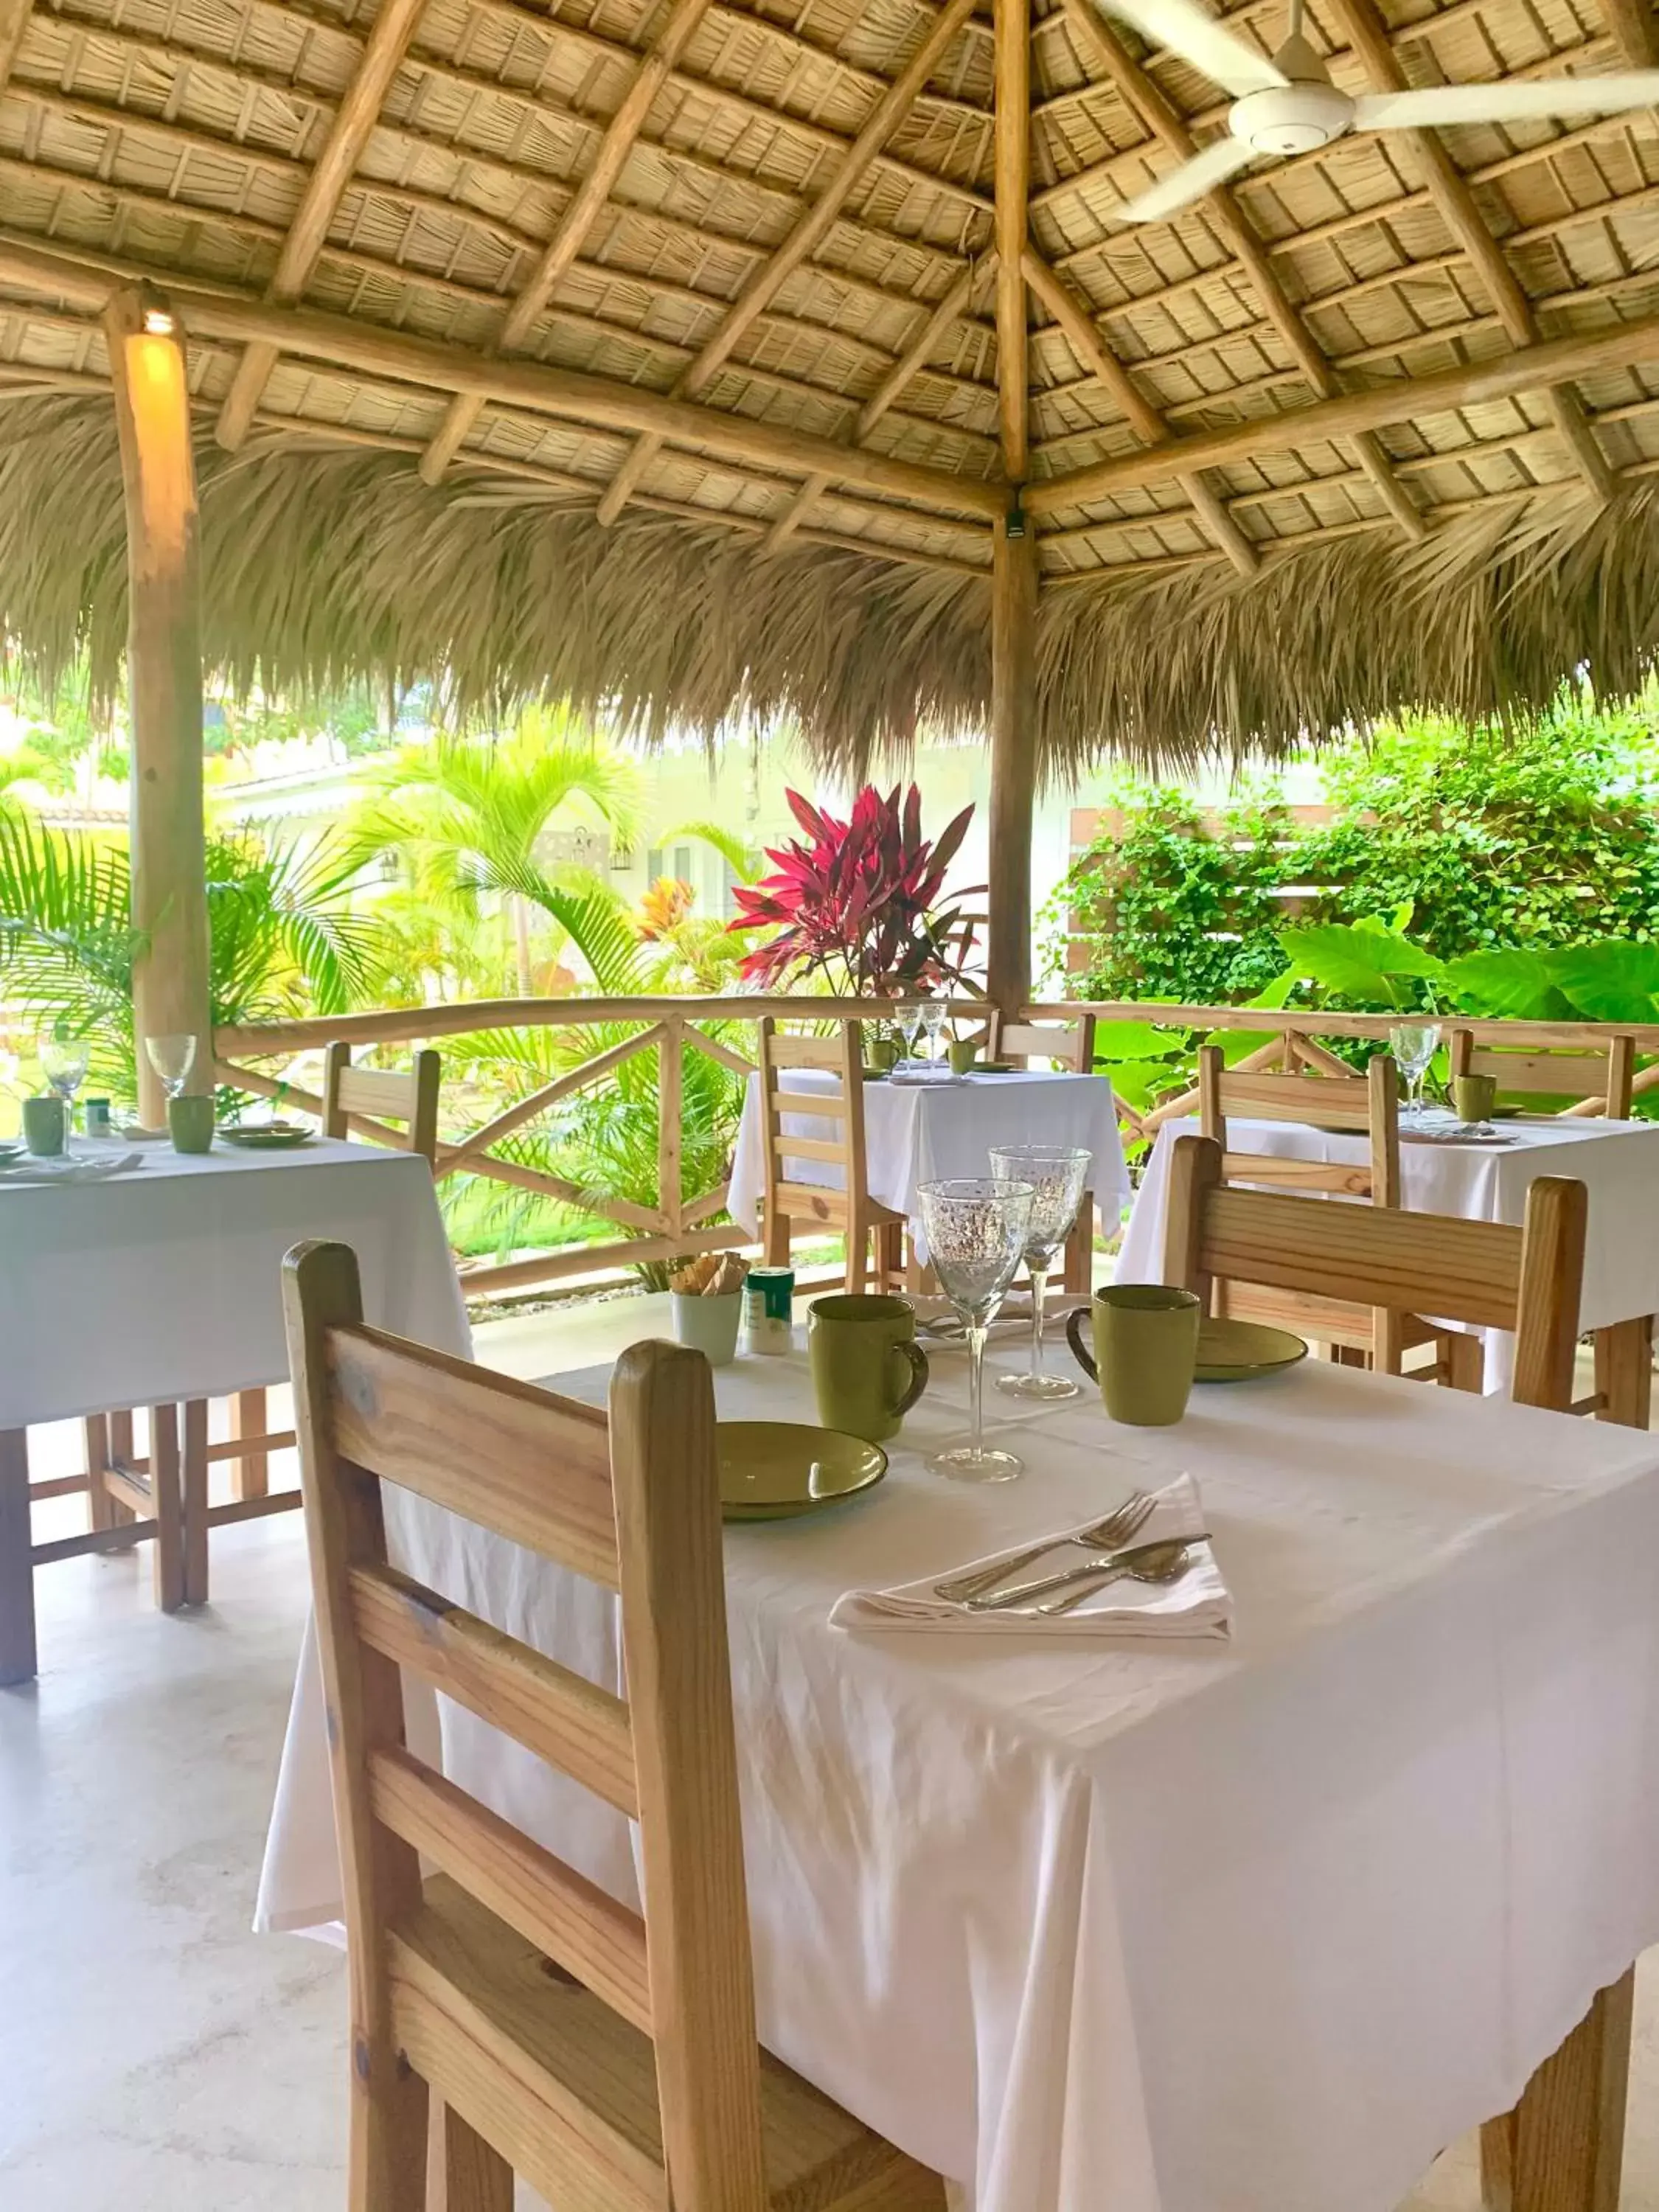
[1013, 764]
[164, 683]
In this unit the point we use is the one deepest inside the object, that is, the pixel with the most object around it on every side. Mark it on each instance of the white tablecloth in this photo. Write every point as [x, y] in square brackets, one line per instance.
[1255, 1928]
[164, 1283]
[915, 1132]
[1618, 1162]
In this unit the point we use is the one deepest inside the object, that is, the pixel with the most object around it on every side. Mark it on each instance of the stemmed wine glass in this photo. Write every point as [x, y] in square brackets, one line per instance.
[64, 1063]
[930, 1026]
[977, 1230]
[173, 1057]
[1414, 1045]
[1056, 1174]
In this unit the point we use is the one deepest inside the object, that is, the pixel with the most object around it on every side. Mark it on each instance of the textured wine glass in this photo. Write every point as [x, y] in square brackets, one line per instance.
[173, 1057]
[1414, 1045]
[933, 1011]
[1056, 1174]
[977, 1230]
[64, 1063]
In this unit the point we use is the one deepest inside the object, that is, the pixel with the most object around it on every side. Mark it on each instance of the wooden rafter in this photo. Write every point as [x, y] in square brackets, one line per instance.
[1083, 336]
[13, 21]
[1632, 24]
[1231, 224]
[571, 395]
[1538, 368]
[915, 358]
[1012, 22]
[1451, 190]
[578, 218]
[353, 118]
[803, 240]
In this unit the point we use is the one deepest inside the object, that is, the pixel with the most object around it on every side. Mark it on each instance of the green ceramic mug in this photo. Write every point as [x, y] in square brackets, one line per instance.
[962, 1056]
[189, 1124]
[1145, 1348]
[867, 1368]
[1474, 1097]
[45, 1123]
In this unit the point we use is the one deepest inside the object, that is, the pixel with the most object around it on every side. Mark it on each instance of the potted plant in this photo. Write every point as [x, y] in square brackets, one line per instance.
[857, 903]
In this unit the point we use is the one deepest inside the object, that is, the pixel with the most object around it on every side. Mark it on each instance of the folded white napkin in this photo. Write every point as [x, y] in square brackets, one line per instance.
[66, 1168]
[1199, 1605]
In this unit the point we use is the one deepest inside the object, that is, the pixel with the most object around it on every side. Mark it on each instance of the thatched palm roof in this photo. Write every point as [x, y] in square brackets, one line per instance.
[650, 350]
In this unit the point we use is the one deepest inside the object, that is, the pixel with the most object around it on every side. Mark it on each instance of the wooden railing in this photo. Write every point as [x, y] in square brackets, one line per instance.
[683, 1223]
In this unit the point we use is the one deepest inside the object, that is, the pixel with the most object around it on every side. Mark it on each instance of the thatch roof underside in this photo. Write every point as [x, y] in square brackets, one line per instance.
[648, 351]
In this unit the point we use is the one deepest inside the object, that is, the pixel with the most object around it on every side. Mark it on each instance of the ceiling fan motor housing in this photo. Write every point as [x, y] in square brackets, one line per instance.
[1292, 119]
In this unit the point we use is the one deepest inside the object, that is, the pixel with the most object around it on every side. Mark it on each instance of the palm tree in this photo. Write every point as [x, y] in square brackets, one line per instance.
[471, 814]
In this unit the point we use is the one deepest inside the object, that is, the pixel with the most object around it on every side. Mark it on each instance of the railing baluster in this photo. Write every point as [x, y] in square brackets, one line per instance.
[670, 1107]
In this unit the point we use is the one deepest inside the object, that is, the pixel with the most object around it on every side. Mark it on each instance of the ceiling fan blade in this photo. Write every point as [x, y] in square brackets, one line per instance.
[1189, 182]
[1184, 27]
[1535, 101]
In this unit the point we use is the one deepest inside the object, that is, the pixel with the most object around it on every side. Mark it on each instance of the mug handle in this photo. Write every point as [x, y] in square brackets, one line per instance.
[917, 1382]
[1085, 1360]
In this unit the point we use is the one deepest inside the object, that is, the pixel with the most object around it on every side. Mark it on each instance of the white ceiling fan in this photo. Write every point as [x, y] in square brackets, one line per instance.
[1289, 104]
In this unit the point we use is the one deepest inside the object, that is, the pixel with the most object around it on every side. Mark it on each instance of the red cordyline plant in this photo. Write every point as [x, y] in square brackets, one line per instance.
[856, 903]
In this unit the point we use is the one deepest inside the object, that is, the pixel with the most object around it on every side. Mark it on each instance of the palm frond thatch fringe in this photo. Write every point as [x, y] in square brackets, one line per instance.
[322, 566]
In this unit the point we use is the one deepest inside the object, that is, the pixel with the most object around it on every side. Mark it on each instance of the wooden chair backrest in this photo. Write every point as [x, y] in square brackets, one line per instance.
[1484, 1273]
[835, 1112]
[1071, 1044]
[1367, 1104]
[383, 1095]
[1568, 1071]
[633, 1503]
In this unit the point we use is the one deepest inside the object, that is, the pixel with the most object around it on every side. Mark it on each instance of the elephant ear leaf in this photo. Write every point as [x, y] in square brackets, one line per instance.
[1612, 981]
[1360, 961]
[1516, 985]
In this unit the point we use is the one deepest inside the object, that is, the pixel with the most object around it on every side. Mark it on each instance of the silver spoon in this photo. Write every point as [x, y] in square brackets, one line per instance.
[1165, 1561]
[1171, 1571]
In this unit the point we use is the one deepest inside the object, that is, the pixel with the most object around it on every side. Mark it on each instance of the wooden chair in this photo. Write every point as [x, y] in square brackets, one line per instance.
[382, 1095]
[1485, 1273]
[1597, 1081]
[1069, 1045]
[1369, 1105]
[628, 2073]
[839, 1114]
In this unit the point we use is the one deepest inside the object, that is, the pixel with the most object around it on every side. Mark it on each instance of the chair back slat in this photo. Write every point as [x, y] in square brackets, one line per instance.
[563, 1717]
[532, 1466]
[634, 1502]
[824, 1052]
[382, 1095]
[1329, 1101]
[1072, 1044]
[551, 1904]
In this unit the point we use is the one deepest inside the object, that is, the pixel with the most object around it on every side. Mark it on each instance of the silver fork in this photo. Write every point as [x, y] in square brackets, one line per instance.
[1119, 1525]
[1166, 1559]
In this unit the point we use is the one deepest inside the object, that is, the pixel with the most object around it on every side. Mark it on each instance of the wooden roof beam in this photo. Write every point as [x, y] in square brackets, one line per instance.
[1630, 23]
[1078, 325]
[911, 363]
[13, 21]
[578, 218]
[803, 240]
[343, 149]
[570, 395]
[1148, 100]
[1552, 362]
[1012, 58]
[1454, 198]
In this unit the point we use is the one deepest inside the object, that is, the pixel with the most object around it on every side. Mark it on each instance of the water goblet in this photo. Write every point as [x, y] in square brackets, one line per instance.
[977, 1229]
[64, 1063]
[1414, 1045]
[173, 1057]
[1056, 1174]
[932, 1019]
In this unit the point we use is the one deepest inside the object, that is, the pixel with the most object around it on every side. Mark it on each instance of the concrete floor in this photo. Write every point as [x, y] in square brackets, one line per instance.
[154, 2056]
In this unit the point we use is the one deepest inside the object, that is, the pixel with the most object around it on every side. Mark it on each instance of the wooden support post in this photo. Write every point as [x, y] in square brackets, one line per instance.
[250, 1416]
[1013, 766]
[17, 1661]
[1561, 2147]
[167, 1506]
[164, 682]
[193, 1499]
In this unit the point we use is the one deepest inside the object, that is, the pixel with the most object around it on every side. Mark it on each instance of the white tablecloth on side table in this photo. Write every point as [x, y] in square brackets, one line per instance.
[164, 1283]
[1102, 1927]
[1618, 1163]
[917, 1131]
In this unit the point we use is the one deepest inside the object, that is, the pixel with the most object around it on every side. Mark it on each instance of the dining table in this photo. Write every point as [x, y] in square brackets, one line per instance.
[136, 1276]
[919, 1126]
[1482, 1178]
[1256, 1923]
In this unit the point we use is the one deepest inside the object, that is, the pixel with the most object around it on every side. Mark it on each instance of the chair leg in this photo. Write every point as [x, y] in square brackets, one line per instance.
[1623, 1372]
[250, 1417]
[1464, 1361]
[776, 1232]
[858, 1254]
[1561, 2147]
[193, 1490]
[100, 1506]
[1078, 1281]
[466, 2174]
[167, 1506]
[386, 2157]
[889, 1256]
[17, 1650]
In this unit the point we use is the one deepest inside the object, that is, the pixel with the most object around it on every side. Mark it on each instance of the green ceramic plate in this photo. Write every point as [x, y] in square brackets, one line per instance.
[1233, 1351]
[770, 1470]
[253, 1138]
[996, 1067]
